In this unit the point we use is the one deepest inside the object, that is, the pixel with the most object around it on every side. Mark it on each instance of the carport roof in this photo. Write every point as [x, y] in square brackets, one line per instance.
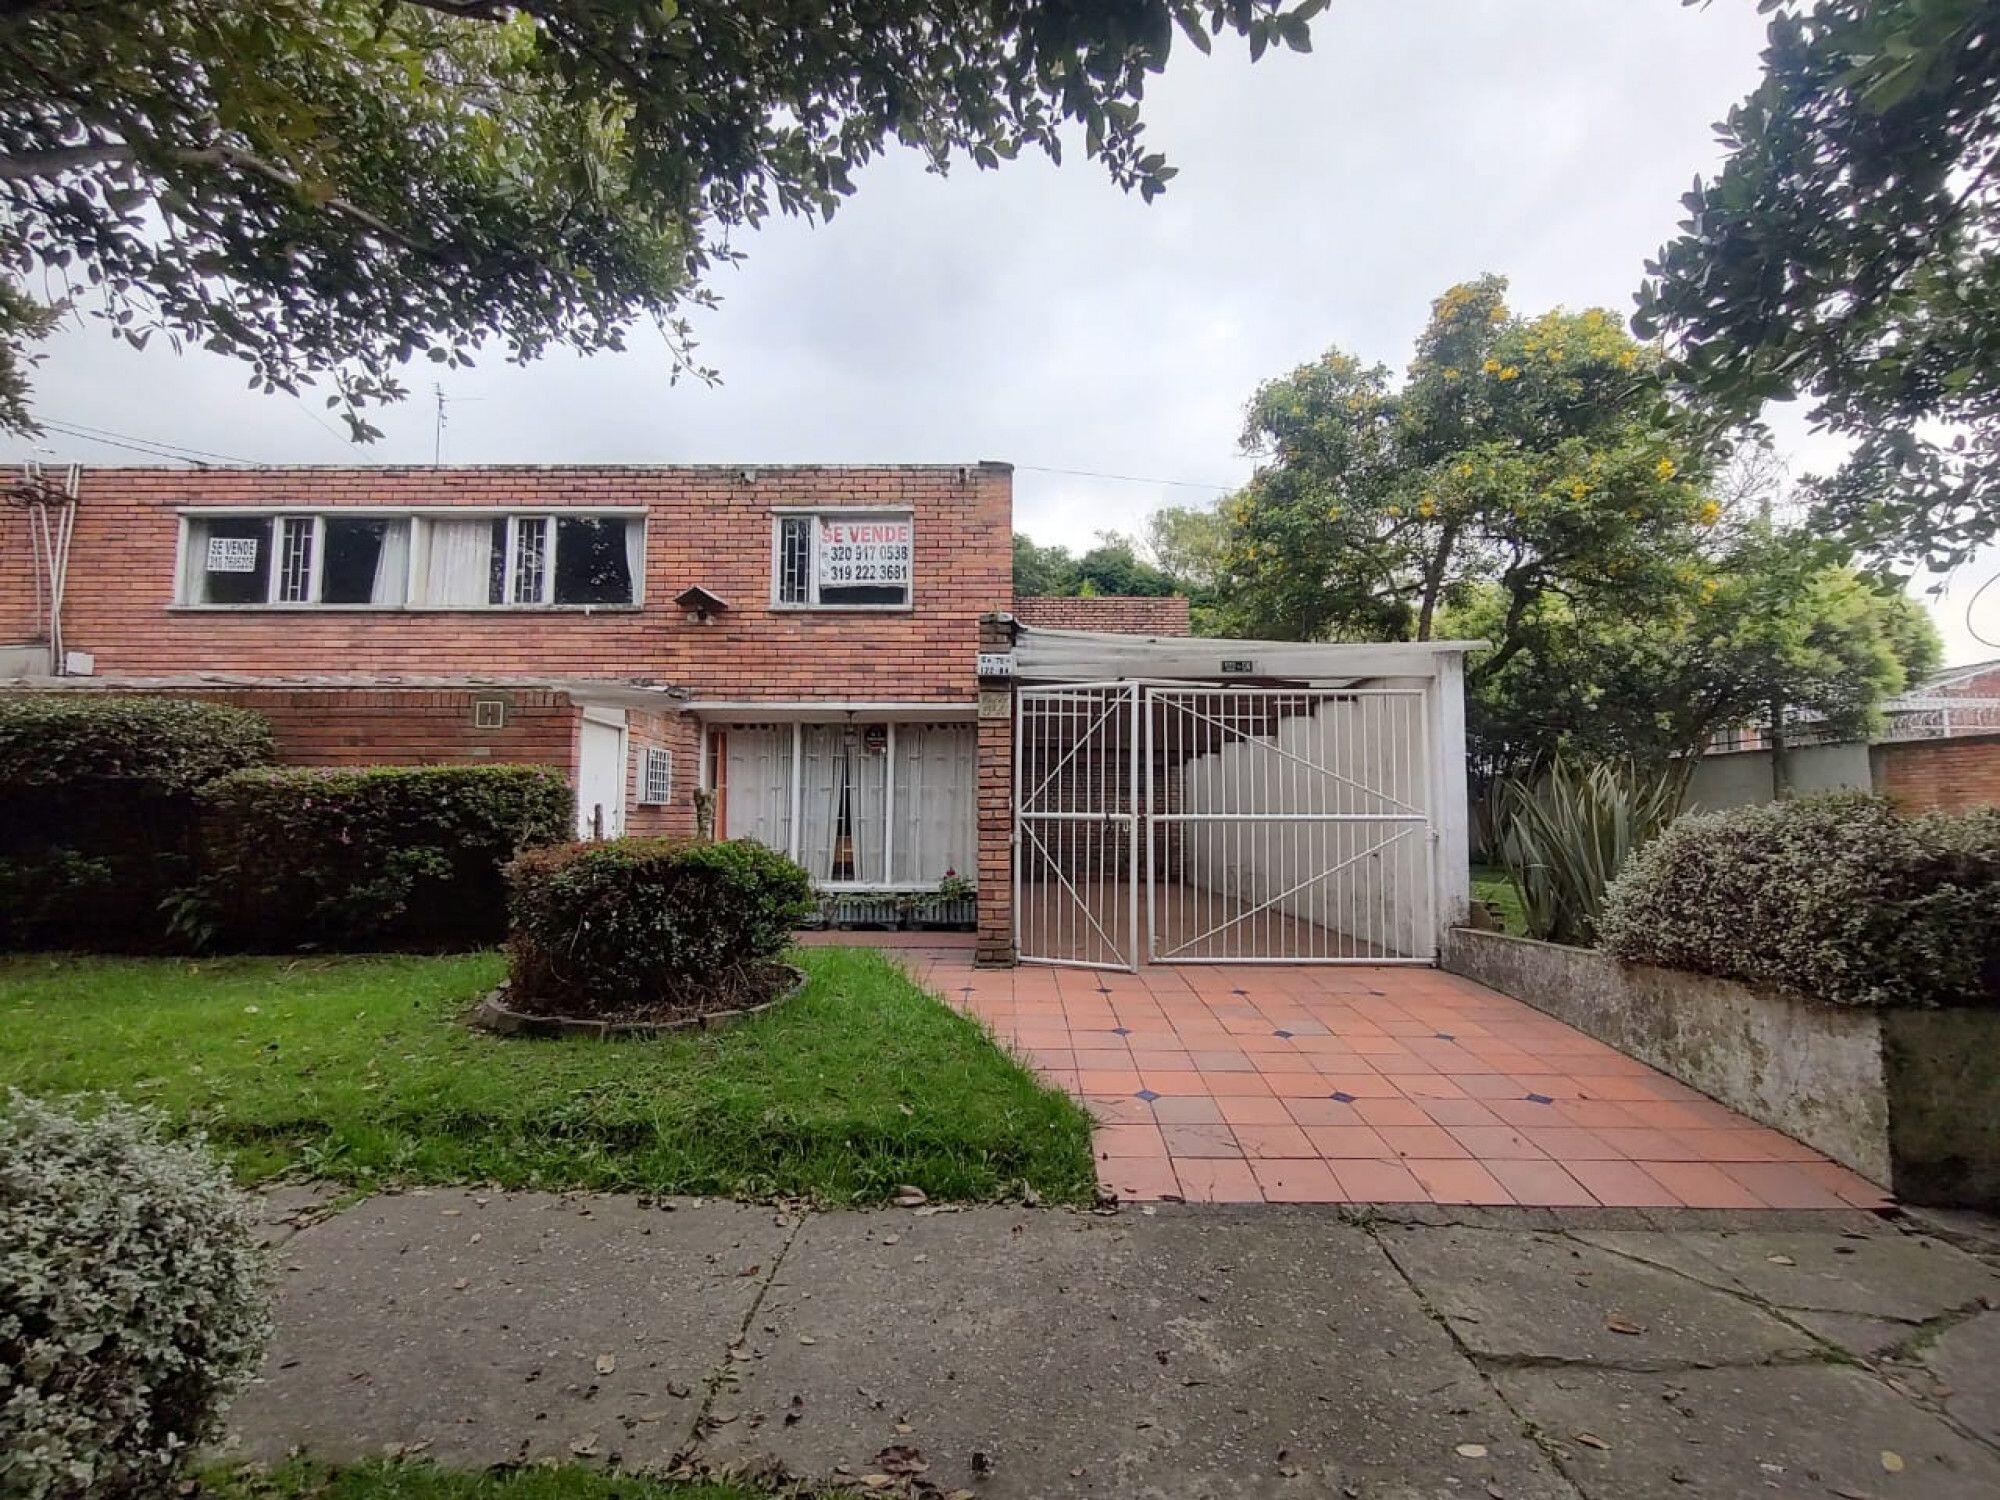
[1091, 656]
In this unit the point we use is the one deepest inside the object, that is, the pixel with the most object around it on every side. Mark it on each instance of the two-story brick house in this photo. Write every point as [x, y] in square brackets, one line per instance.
[801, 648]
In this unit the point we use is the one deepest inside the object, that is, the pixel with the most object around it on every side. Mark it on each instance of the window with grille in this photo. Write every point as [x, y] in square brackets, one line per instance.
[295, 561]
[656, 777]
[843, 560]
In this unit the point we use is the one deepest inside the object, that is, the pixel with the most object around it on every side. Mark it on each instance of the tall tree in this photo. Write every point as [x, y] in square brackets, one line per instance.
[1533, 453]
[1768, 621]
[330, 188]
[1846, 252]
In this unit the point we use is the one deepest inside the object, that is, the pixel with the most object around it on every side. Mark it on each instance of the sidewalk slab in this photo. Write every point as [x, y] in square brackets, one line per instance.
[468, 1327]
[1193, 1353]
[1516, 1296]
[1818, 1430]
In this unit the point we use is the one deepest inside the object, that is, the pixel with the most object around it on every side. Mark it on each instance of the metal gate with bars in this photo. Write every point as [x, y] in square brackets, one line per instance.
[1185, 823]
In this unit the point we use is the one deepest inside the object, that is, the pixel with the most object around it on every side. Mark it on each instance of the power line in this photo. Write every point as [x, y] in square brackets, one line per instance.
[1191, 484]
[1971, 629]
[155, 447]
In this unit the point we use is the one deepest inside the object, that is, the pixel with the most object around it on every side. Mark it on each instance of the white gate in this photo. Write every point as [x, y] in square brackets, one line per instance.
[1077, 781]
[1268, 825]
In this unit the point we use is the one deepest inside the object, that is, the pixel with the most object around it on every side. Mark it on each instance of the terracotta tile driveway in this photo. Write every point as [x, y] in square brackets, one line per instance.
[1386, 1085]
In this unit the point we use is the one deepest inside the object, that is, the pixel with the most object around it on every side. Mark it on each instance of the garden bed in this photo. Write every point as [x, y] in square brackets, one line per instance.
[1909, 1098]
[769, 985]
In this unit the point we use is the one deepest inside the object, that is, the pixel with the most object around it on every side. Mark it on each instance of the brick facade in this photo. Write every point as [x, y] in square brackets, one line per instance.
[1955, 774]
[708, 526]
[996, 807]
[1116, 614]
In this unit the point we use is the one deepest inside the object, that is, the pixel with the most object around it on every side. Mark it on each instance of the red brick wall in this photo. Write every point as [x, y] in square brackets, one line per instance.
[1119, 614]
[678, 733]
[996, 809]
[1955, 773]
[705, 526]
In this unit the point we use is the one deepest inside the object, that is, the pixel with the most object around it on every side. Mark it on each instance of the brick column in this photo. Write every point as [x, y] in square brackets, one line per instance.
[996, 805]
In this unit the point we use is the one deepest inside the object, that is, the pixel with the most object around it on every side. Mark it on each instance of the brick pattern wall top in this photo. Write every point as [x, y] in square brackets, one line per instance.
[1114, 614]
[706, 526]
[1956, 774]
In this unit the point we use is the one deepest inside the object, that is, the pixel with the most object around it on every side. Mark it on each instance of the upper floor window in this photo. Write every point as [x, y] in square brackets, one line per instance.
[424, 561]
[842, 559]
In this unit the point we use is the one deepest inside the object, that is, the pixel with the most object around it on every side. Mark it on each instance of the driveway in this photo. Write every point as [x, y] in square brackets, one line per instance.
[1322, 1084]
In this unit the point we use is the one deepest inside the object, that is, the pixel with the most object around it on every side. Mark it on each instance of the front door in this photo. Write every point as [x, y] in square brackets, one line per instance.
[600, 778]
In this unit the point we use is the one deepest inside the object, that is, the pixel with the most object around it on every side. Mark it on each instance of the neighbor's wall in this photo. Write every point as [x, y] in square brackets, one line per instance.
[1115, 614]
[1957, 774]
[708, 526]
[1742, 778]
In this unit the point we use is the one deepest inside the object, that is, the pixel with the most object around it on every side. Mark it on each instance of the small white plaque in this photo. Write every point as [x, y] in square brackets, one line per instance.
[996, 664]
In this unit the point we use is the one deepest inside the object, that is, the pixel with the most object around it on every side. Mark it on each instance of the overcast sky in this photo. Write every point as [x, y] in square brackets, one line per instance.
[1040, 316]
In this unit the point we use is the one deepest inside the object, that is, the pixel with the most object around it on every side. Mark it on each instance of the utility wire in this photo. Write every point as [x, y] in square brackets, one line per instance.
[1192, 484]
[1970, 628]
[153, 447]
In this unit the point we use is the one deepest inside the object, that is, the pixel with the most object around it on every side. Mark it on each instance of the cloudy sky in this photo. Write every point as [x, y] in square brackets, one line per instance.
[1041, 316]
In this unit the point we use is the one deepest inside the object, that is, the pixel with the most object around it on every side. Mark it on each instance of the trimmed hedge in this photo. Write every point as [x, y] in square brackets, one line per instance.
[1837, 897]
[164, 746]
[98, 811]
[376, 857]
[644, 921]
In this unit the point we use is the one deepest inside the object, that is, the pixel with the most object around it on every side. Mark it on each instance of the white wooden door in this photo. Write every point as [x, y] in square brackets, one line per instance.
[600, 779]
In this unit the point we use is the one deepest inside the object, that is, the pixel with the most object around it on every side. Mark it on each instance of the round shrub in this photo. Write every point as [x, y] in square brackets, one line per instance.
[1838, 897]
[647, 922]
[133, 1302]
[164, 745]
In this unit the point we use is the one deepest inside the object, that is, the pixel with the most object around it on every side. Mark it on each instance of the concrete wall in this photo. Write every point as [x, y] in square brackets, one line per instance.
[1909, 1099]
[1742, 778]
[1812, 1071]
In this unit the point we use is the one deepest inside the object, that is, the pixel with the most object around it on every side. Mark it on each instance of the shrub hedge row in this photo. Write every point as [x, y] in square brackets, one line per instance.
[1837, 897]
[382, 856]
[98, 811]
[637, 921]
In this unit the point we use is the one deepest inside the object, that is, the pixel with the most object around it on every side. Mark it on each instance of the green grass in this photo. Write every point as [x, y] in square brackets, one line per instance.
[358, 1069]
[303, 1480]
[1491, 883]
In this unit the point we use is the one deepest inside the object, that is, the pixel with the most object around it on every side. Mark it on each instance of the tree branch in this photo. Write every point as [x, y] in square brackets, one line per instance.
[31, 165]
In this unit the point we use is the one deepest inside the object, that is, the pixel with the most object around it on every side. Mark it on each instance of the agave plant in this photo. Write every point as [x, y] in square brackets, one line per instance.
[1565, 834]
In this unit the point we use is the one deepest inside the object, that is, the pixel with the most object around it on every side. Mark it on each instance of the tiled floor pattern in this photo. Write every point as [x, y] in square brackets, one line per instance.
[1334, 1084]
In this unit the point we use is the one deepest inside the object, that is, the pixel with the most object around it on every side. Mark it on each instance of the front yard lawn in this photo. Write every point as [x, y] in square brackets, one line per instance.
[357, 1069]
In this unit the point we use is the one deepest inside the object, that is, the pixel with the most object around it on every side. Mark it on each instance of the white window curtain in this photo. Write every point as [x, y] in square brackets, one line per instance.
[844, 804]
[823, 783]
[460, 562]
[635, 557]
[392, 565]
[937, 811]
[757, 785]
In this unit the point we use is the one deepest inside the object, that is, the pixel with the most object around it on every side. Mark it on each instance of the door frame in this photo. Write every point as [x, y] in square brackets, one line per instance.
[607, 718]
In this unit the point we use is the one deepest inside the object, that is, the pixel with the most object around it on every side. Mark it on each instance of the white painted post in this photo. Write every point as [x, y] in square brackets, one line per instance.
[1452, 868]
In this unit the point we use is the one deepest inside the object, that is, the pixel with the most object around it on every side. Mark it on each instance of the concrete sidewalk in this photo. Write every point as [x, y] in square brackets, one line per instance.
[1177, 1351]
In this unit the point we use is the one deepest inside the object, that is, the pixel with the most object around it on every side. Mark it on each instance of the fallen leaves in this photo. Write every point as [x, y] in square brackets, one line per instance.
[1625, 1326]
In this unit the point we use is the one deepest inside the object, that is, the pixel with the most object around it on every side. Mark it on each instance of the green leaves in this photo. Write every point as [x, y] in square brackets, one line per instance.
[345, 183]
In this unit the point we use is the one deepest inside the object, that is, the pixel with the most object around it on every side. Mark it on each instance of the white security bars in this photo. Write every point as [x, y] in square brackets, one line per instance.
[1077, 781]
[863, 806]
[1266, 825]
[1289, 825]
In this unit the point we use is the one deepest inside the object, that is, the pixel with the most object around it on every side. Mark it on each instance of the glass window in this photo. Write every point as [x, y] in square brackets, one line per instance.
[229, 560]
[295, 560]
[367, 560]
[531, 561]
[595, 559]
[795, 560]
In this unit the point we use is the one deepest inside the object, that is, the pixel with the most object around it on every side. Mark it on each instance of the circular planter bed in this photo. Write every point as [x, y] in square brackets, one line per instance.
[497, 1012]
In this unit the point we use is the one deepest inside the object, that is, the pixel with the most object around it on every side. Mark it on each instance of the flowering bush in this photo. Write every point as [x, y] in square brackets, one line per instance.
[133, 1302]
[1838, 897]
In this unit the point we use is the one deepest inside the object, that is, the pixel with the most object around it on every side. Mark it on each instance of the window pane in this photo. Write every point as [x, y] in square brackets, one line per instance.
[795, 560]
[459, 561]
[937, 802]
[531, 560]
[295, 560]
[754, 790]
[366, 562]
[843, 802]
[592, 563]
[229, 560]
